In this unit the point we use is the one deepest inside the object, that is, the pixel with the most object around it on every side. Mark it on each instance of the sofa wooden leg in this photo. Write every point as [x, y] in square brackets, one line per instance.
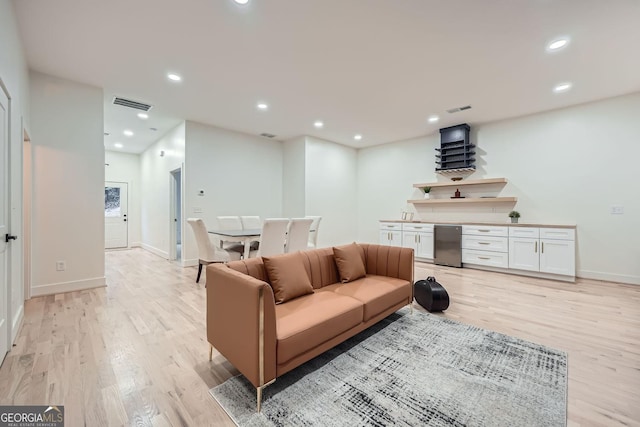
[210, 352]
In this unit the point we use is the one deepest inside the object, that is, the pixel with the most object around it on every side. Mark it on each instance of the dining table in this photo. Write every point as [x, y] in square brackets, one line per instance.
[244, 236]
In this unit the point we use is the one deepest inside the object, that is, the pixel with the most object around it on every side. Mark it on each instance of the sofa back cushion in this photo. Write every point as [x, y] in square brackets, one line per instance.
[253, 267]
[288, 276]
[350, 262]
[321, 267]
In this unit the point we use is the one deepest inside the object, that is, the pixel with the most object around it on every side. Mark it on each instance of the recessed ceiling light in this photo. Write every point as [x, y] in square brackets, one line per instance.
[262, 106]
[433, 119]
[118, 145]
[128, 132]
[318, 124]
[241, 1]
[143, 116]
[357, 137]
[174, 77]
[558, 44]
[562, 87]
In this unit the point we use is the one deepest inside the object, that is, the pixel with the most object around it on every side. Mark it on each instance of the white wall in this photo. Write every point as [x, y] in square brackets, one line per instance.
[14, 77]
[240, 174]
[155, 192]
[293, 178]
[331, 190]
[566, 166]
[68, 184]
[386, 174]
[125, 167]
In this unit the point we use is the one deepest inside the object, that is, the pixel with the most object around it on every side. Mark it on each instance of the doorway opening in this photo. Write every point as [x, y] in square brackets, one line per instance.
[175, 216]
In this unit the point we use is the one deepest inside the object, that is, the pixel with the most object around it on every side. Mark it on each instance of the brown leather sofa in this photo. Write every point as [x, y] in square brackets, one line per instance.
[264, 340]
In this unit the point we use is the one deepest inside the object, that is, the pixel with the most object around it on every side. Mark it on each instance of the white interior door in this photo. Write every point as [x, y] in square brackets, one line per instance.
[116, 223]
[4, 216]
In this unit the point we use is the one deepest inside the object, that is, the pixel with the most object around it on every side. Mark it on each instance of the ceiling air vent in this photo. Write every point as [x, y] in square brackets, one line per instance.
[268, 135]
[458, 109]
[131, 104]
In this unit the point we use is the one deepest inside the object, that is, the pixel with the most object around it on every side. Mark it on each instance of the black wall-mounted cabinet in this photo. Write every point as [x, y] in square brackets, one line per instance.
[455, 152]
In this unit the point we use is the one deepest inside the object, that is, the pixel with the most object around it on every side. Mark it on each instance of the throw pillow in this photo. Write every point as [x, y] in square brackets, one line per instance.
[350, 262]
[288, 277]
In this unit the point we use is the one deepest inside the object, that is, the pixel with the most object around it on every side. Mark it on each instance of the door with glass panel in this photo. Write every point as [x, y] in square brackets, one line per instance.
[116, 225]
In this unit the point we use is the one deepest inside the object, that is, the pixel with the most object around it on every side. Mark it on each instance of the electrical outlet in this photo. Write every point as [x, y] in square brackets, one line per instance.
[197, 210]
[61, 266]
[617, 210]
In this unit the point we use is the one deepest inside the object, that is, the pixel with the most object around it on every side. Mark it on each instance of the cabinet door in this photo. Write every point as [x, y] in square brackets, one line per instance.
[558, 257]
[524, 254]
[425, 246]
[385, 237]
[396, 238]
[410, 240]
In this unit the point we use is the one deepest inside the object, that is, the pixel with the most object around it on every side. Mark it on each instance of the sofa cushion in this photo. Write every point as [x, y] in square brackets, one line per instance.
[350, 262]
[377, 293]
[287, 276]
[308, 321]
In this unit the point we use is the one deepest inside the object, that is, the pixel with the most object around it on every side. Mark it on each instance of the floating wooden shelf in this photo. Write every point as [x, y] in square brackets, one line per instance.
[464, 200]
[462, 183]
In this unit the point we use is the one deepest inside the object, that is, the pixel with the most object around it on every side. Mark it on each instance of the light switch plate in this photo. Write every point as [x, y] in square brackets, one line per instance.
[197, 210]
[617, 210]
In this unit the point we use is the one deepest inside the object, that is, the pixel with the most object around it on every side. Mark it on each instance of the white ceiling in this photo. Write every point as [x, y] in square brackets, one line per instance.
[375, 67]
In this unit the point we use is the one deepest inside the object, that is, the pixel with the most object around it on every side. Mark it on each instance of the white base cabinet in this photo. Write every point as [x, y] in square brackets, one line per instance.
[420, 238]
[544, 250]
[485, 245]
[391, 233]
[536, 251]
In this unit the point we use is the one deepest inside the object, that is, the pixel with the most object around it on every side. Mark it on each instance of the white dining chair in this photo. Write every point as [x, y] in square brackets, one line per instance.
[272, 238]
[230, 223]
[298, 234]
[252, 223]
[208, 253]
[313, 233]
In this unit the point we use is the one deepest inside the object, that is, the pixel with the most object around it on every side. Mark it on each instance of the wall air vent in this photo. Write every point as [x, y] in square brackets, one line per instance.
[131, 104]
[268, 135]
[458, 109]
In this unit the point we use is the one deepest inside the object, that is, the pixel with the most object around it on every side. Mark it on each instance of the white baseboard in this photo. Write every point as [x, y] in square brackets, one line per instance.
[17, 323]
[154, 250]
[609, 277]
[136, 245]
[190, 262]
[75, 285]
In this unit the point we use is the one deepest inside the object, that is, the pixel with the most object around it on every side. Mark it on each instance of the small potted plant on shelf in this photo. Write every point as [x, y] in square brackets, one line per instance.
[514, 215]
[426, 190]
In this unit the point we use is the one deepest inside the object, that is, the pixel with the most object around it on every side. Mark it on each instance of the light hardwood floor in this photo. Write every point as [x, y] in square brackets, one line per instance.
[135, 353]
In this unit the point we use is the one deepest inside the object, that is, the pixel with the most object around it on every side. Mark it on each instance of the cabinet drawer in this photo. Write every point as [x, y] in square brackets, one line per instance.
[486, 243]
[485, 230]
[530, 232]
[491, 259]
[558, 233]
[397, 226]
[418, 227]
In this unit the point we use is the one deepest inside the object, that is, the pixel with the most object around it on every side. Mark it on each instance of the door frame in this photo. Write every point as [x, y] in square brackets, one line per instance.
[9, 257]
[173, 209]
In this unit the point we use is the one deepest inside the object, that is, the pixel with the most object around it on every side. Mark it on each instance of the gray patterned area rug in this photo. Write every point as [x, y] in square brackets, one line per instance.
[413, 370]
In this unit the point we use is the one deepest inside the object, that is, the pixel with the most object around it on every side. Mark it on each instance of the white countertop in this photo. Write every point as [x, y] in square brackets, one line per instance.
[507, 224]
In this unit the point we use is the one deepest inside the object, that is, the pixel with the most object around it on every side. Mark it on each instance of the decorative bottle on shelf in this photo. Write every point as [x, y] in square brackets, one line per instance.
[457, 194]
